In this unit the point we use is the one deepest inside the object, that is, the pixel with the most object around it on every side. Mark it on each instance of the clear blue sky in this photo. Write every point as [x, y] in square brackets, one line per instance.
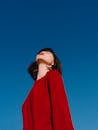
[70, 28]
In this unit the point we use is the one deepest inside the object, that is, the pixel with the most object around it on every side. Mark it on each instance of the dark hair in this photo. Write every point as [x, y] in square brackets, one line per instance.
[33, 67]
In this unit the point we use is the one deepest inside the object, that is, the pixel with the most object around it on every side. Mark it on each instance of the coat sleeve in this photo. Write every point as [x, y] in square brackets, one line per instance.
[60, 113]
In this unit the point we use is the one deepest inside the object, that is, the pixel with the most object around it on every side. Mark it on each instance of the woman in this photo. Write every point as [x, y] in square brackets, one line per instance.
[46, 106]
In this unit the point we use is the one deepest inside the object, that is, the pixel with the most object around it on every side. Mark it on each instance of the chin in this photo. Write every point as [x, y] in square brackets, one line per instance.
[42, 60]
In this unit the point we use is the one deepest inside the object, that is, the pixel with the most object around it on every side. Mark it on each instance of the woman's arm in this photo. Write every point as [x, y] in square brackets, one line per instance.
[61, 117]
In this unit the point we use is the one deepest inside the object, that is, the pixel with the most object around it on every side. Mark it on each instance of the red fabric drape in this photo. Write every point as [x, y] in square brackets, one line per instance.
[46, 106]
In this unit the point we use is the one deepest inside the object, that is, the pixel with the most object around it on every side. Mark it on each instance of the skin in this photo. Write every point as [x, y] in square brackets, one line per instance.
[45, 60]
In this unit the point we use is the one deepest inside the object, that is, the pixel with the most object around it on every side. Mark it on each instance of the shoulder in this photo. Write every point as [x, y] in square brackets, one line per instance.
[54, 76]
[54, 73]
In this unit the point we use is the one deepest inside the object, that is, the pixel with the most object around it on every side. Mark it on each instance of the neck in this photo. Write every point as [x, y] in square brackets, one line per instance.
[42, 70]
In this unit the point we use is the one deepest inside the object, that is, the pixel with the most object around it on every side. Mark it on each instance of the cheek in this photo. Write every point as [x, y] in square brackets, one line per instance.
[49, 58]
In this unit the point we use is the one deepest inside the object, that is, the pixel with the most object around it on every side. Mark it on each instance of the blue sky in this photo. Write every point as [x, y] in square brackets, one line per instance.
[70, 28]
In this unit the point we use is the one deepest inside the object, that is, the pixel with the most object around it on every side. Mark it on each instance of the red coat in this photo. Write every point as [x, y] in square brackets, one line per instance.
[46, 106]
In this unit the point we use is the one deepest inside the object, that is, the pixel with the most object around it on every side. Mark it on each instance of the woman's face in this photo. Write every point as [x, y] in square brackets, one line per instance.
[46, 57]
